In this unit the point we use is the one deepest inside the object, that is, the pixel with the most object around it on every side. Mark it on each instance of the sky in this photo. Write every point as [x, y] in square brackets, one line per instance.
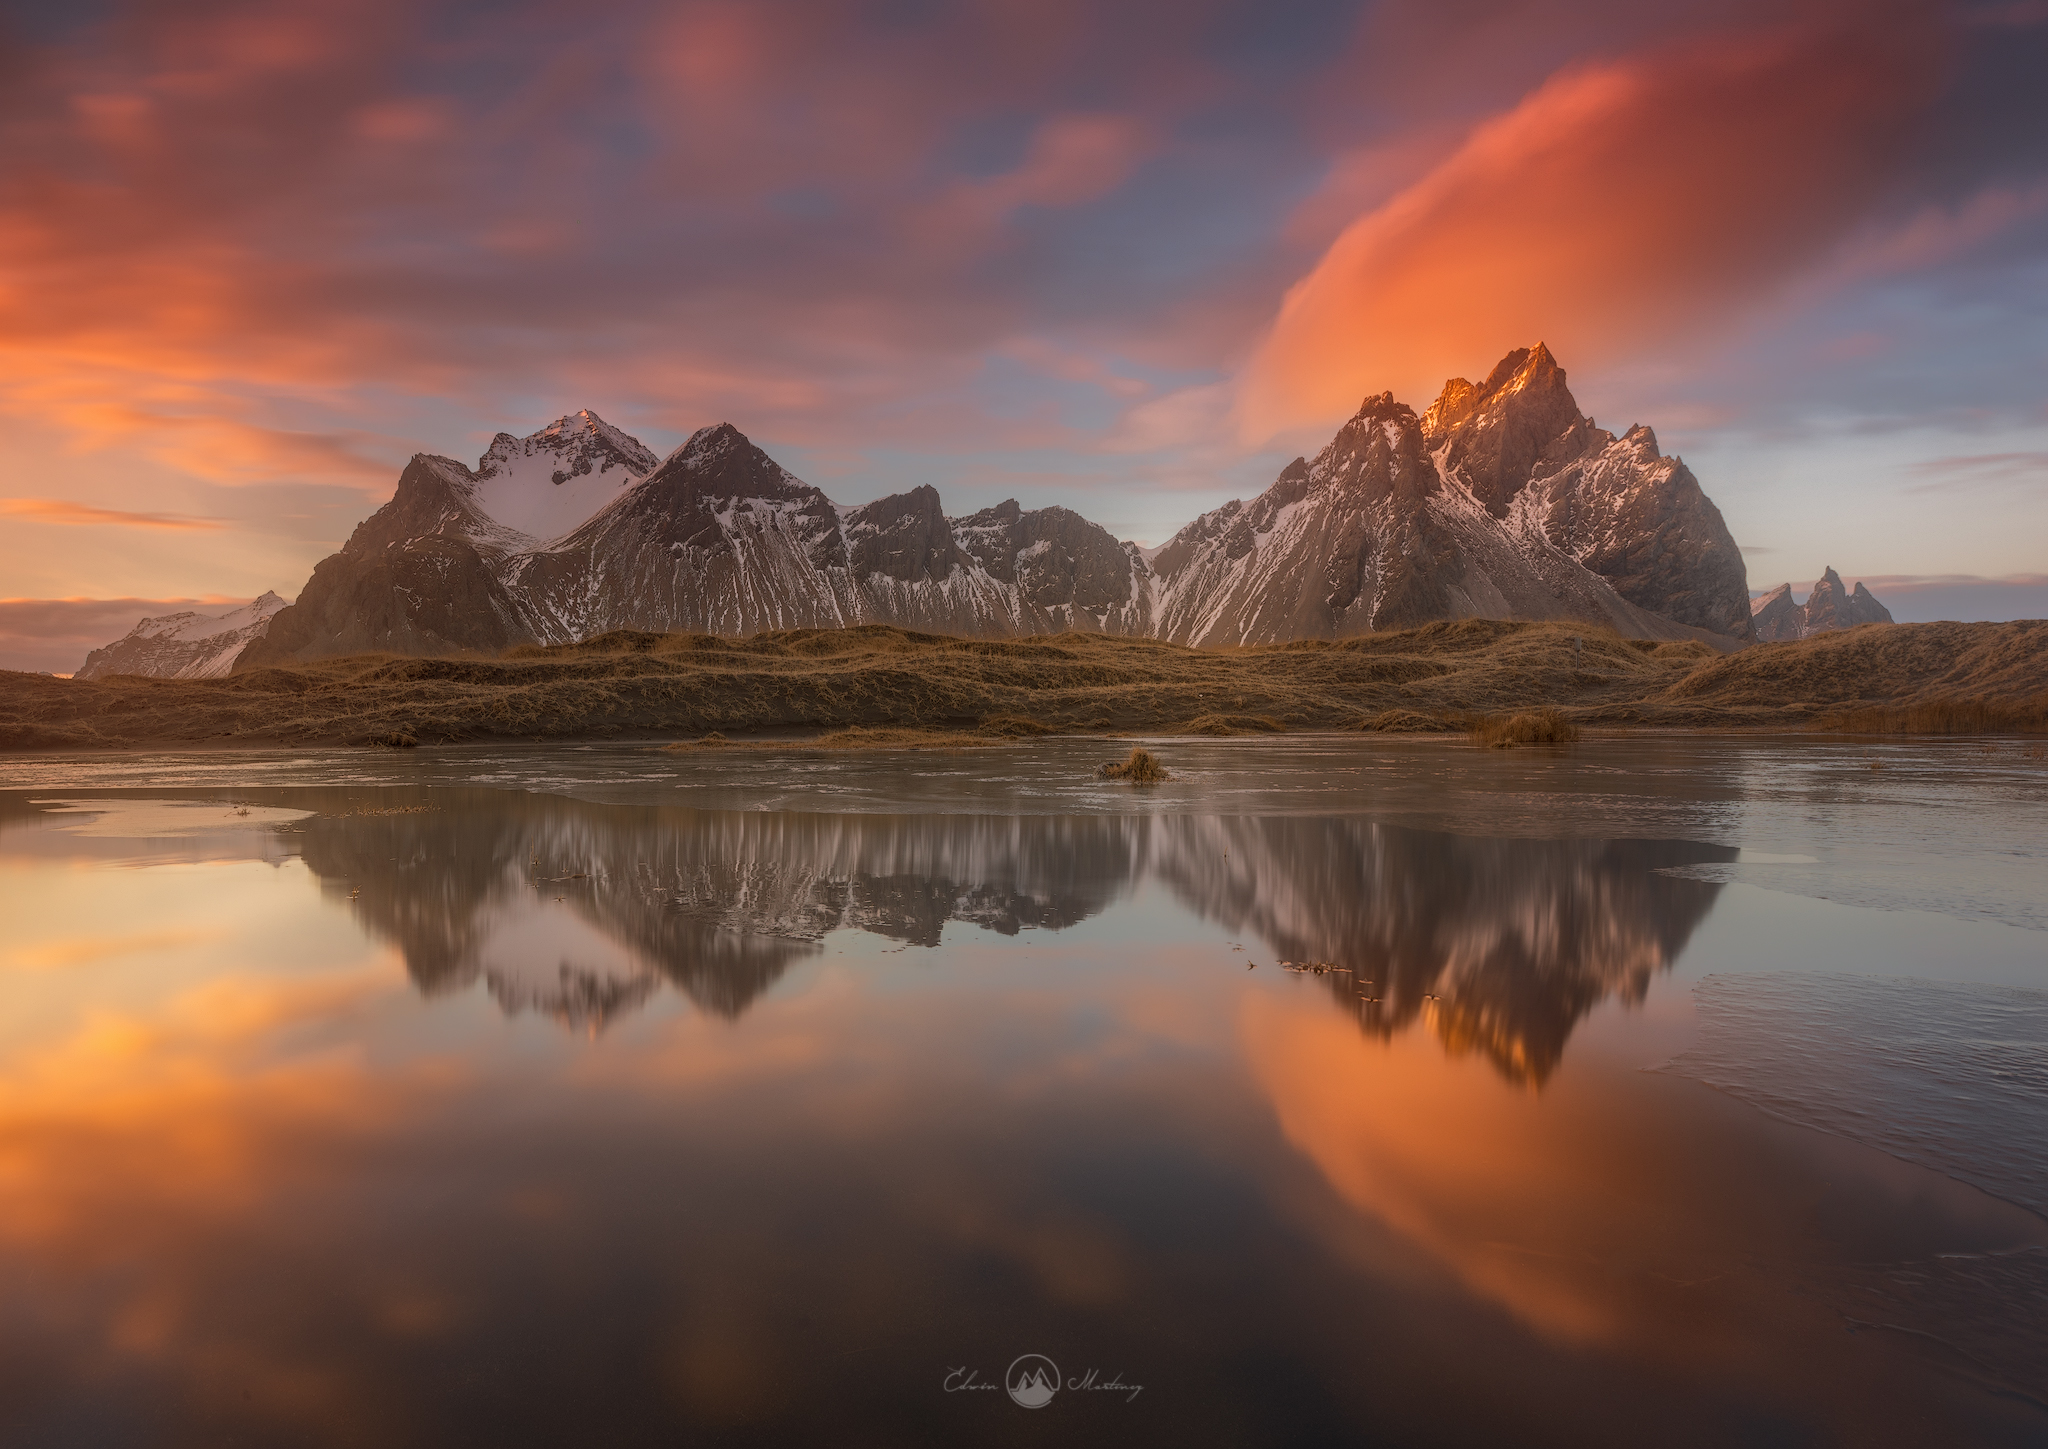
[1127, 258]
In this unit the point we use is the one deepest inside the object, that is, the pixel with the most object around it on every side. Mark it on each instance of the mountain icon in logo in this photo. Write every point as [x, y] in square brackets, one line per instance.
[1032, 1380]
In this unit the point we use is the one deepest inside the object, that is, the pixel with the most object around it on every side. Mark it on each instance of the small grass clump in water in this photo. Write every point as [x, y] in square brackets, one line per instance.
[1142, 768]
[1531, 727]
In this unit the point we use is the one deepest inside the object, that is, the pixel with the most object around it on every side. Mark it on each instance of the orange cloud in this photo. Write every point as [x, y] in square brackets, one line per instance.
[1617, 205]
[57, 510]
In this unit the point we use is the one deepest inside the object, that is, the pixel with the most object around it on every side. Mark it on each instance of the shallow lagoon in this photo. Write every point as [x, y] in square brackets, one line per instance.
[1691, 1088]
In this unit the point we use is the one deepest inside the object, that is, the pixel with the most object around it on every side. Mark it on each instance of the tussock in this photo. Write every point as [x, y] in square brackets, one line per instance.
[1142, 768]
[1529, 727]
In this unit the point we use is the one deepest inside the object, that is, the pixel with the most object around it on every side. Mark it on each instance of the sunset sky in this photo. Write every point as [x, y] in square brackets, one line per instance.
[1129, 258]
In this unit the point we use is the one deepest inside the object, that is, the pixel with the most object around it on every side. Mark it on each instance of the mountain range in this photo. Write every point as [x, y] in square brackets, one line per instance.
[1500, 500]
[1829, 605]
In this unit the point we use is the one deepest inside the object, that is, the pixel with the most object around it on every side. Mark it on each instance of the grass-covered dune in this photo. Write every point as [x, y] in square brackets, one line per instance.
[1440, 676]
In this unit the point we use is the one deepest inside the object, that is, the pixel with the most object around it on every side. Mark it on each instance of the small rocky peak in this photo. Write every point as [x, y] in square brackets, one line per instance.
[1008, 511]
[1780, 594]
[1644, 440]
[904, 536]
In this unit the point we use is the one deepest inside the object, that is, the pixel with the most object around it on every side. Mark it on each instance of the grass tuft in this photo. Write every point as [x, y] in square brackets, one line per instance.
[1527, 727]
[1142, 768]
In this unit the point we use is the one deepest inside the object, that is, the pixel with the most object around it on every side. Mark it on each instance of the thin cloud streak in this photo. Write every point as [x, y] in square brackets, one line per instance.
[1978, 470]
[61, 511]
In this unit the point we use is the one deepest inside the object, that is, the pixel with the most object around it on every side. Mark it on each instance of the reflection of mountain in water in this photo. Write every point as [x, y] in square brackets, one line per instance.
[1503, 945]
[581, 910]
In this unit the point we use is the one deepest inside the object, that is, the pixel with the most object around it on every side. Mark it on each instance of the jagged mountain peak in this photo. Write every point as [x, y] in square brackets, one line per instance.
[1643, 438]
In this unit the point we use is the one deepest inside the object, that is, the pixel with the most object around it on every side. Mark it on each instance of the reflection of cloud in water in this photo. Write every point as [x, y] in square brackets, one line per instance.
[1627, 1209]
[580, 910]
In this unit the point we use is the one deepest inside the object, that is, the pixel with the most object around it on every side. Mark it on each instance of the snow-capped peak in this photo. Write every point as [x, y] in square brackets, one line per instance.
[543, 485]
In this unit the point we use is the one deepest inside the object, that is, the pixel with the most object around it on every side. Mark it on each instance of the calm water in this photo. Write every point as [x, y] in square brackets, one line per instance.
[1668, 1090]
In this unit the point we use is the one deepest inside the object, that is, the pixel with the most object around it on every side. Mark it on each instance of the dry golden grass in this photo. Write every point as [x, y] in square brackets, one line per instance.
[1942, 717]
[1527, 727]
[1409, 722]
[1142, 768]
[1232, 724]
[874, 678]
